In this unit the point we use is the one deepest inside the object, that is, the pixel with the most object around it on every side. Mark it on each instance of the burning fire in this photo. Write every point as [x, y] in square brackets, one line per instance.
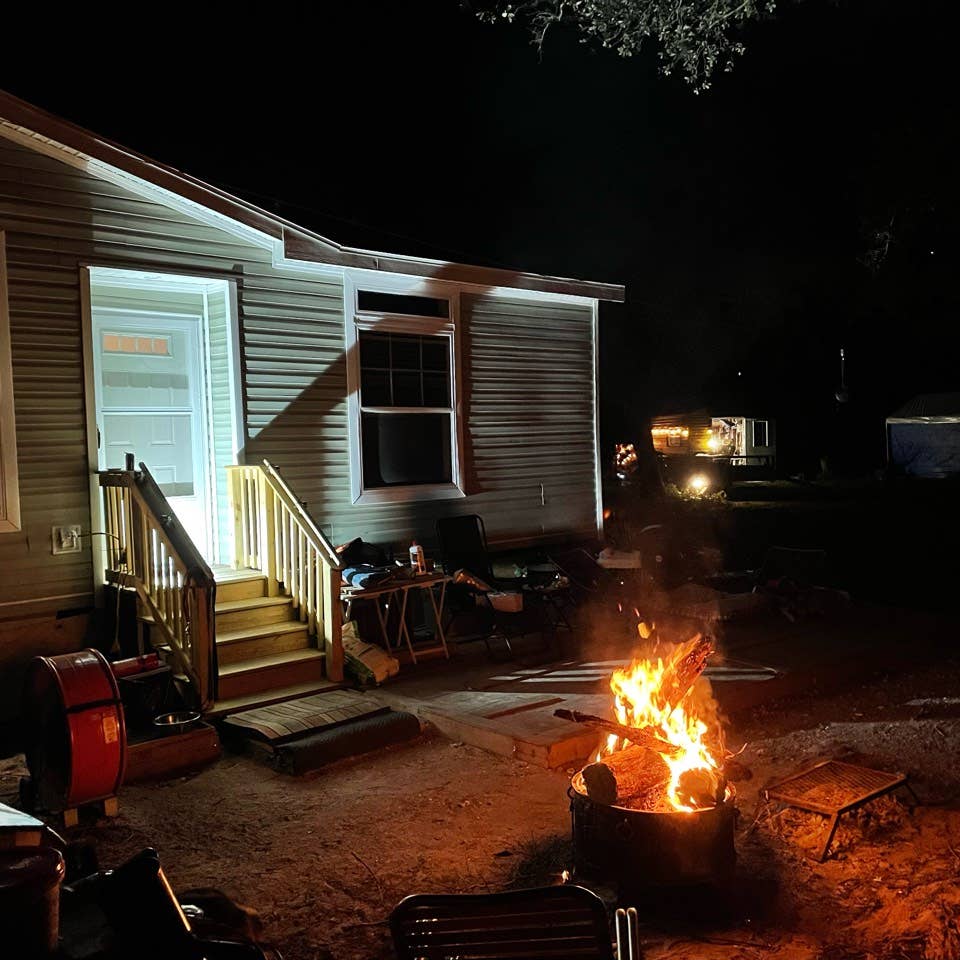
[639, 702]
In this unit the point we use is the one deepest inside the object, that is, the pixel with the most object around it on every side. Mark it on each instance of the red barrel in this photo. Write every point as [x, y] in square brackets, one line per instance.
[76, 739]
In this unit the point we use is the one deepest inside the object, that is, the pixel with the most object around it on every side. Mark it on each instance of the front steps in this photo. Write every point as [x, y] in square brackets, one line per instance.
[264, 652]
[262, 647]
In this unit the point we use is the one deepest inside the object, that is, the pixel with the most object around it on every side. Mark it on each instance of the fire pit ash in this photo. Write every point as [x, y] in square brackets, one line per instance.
[655, 808]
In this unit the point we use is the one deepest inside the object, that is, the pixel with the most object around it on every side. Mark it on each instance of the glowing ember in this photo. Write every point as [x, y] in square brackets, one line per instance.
[639, 699]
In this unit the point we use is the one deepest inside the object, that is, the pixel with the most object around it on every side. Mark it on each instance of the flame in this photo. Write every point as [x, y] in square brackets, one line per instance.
[637, 703]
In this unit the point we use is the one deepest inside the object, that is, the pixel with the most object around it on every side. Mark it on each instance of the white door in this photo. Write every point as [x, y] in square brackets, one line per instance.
[151, 402]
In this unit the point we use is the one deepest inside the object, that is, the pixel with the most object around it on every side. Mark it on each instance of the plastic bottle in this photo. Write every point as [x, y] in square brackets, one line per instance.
[417, 562]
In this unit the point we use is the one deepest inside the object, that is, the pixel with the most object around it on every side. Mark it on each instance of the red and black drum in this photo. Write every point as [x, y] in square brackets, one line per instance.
[76, 739]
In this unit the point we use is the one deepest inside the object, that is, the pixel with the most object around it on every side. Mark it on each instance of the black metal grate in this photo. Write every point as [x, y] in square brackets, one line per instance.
[833, 788]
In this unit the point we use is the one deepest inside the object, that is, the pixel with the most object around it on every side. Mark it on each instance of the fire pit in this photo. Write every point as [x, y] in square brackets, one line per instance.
[643, 847]
[655, 808]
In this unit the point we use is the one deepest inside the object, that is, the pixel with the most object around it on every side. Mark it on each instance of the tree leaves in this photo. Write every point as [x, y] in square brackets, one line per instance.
[695, 38]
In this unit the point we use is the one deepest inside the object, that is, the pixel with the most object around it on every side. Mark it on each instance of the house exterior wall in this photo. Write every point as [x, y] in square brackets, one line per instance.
[529, 415]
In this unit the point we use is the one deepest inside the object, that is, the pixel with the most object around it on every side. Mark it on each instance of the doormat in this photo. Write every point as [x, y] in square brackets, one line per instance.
[279, 723]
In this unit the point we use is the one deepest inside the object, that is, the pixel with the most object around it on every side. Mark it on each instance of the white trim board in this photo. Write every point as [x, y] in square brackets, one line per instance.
[9, 473]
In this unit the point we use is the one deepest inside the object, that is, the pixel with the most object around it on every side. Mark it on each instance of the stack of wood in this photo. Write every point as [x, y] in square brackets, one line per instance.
[637, 775]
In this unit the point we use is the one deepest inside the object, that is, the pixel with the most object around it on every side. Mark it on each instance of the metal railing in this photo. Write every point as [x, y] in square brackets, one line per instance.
[274, 533]
[148, 549]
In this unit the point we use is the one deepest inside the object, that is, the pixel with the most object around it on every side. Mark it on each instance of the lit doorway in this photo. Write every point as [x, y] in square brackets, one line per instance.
[165, 390]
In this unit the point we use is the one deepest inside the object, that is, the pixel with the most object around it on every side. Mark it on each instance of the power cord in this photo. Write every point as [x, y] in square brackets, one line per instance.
[124, 571]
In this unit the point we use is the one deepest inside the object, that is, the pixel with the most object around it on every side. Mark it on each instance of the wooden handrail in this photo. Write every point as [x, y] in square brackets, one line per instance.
[148, 548]
[274, 533]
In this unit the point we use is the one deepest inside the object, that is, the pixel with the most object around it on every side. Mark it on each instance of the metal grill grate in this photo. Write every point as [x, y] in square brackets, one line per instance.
[833, 788]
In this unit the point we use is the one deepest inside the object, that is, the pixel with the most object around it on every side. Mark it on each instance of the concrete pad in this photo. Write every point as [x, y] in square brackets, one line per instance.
[508, 708]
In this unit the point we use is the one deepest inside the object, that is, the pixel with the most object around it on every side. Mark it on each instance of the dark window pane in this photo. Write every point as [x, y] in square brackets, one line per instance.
[435, 353]
[436, 390]
[374, 349]
[398, 303]
[405, 448]
[375, 388]
[406, 389]
[404, 352]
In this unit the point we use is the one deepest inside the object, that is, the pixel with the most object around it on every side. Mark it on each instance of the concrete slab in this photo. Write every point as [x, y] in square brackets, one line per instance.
[508, 708]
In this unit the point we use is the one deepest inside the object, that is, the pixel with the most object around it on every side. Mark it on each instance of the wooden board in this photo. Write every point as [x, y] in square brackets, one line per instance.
[280, 722]
[163, 757]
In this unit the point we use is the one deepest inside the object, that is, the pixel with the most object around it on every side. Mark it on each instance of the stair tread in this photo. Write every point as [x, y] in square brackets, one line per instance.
[259, 630]
[251, 603]
[229, 575]
[234, 606]
[250, 700]
[273, 660]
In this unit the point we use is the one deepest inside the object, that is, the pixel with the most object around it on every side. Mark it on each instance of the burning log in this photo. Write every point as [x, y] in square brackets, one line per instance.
[701, 788]
[644, 737]
[625, 775]
[680, 673]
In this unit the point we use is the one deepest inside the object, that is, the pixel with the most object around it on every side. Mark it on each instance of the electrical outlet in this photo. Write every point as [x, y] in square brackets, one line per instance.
[66, 539]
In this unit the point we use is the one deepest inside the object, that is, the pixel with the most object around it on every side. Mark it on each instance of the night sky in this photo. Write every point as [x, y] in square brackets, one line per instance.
[736, 218]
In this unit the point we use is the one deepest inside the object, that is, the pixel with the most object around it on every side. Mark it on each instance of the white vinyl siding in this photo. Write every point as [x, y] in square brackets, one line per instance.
[528, 415]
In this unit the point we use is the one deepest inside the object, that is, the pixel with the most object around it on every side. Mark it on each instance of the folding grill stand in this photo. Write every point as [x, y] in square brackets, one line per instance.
[833, 788]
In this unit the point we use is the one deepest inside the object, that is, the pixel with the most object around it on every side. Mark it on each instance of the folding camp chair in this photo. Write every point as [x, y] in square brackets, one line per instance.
[542, 924]
[463, 546]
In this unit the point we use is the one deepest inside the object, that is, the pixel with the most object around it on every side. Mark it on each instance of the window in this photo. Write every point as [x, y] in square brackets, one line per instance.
[123, 343]
[760, 433]
[402, 378]
[9, 482]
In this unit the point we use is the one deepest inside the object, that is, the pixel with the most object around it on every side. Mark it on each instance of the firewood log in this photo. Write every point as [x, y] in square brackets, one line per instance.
[701, 788]
[647, 737]
[625, 775]
[686, 663]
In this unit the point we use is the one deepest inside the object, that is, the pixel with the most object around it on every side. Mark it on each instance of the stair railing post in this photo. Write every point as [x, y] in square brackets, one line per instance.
[268, 533]
[332, 638]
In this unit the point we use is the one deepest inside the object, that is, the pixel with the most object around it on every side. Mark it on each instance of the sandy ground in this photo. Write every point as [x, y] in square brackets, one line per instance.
[323, 860]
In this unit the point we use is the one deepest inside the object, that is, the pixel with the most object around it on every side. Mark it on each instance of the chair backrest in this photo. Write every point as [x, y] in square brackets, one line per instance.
[549, 923]
[463, 545]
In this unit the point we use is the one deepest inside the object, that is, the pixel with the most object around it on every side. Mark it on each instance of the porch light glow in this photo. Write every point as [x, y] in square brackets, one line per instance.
[698, 483]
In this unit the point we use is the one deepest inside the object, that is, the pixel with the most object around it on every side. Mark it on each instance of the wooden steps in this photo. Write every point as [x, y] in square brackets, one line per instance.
[267, 673]
[264, 652]
[260, 640]
[249, 701]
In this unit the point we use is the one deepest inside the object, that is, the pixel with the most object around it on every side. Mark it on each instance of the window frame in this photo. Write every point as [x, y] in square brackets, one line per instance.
[9, 475]
[766, 435]
[375, 321]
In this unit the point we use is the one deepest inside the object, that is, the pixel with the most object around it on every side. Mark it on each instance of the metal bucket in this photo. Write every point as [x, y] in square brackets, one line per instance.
[30, 900]
[639, 848]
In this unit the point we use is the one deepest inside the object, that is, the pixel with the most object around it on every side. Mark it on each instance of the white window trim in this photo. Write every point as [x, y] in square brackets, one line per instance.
[356, 320]
[9, 476]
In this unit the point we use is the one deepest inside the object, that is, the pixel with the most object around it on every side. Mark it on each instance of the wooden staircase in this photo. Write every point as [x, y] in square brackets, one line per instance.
[264, 651]
[262, 630]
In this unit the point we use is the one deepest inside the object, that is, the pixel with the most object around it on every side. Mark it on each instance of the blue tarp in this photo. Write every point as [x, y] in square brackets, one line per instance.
[926, 449]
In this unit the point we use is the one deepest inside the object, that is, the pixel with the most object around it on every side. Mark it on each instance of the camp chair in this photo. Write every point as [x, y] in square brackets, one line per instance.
[541, 924]
[463, 546]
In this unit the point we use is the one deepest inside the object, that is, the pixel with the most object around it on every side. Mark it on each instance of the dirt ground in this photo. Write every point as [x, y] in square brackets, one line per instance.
[323, 860]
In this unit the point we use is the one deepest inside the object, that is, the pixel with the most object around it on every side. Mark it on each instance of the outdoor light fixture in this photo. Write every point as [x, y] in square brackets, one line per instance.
[698, 483]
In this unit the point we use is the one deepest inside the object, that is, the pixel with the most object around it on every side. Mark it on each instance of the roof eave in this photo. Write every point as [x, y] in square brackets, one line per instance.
[298, 242]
